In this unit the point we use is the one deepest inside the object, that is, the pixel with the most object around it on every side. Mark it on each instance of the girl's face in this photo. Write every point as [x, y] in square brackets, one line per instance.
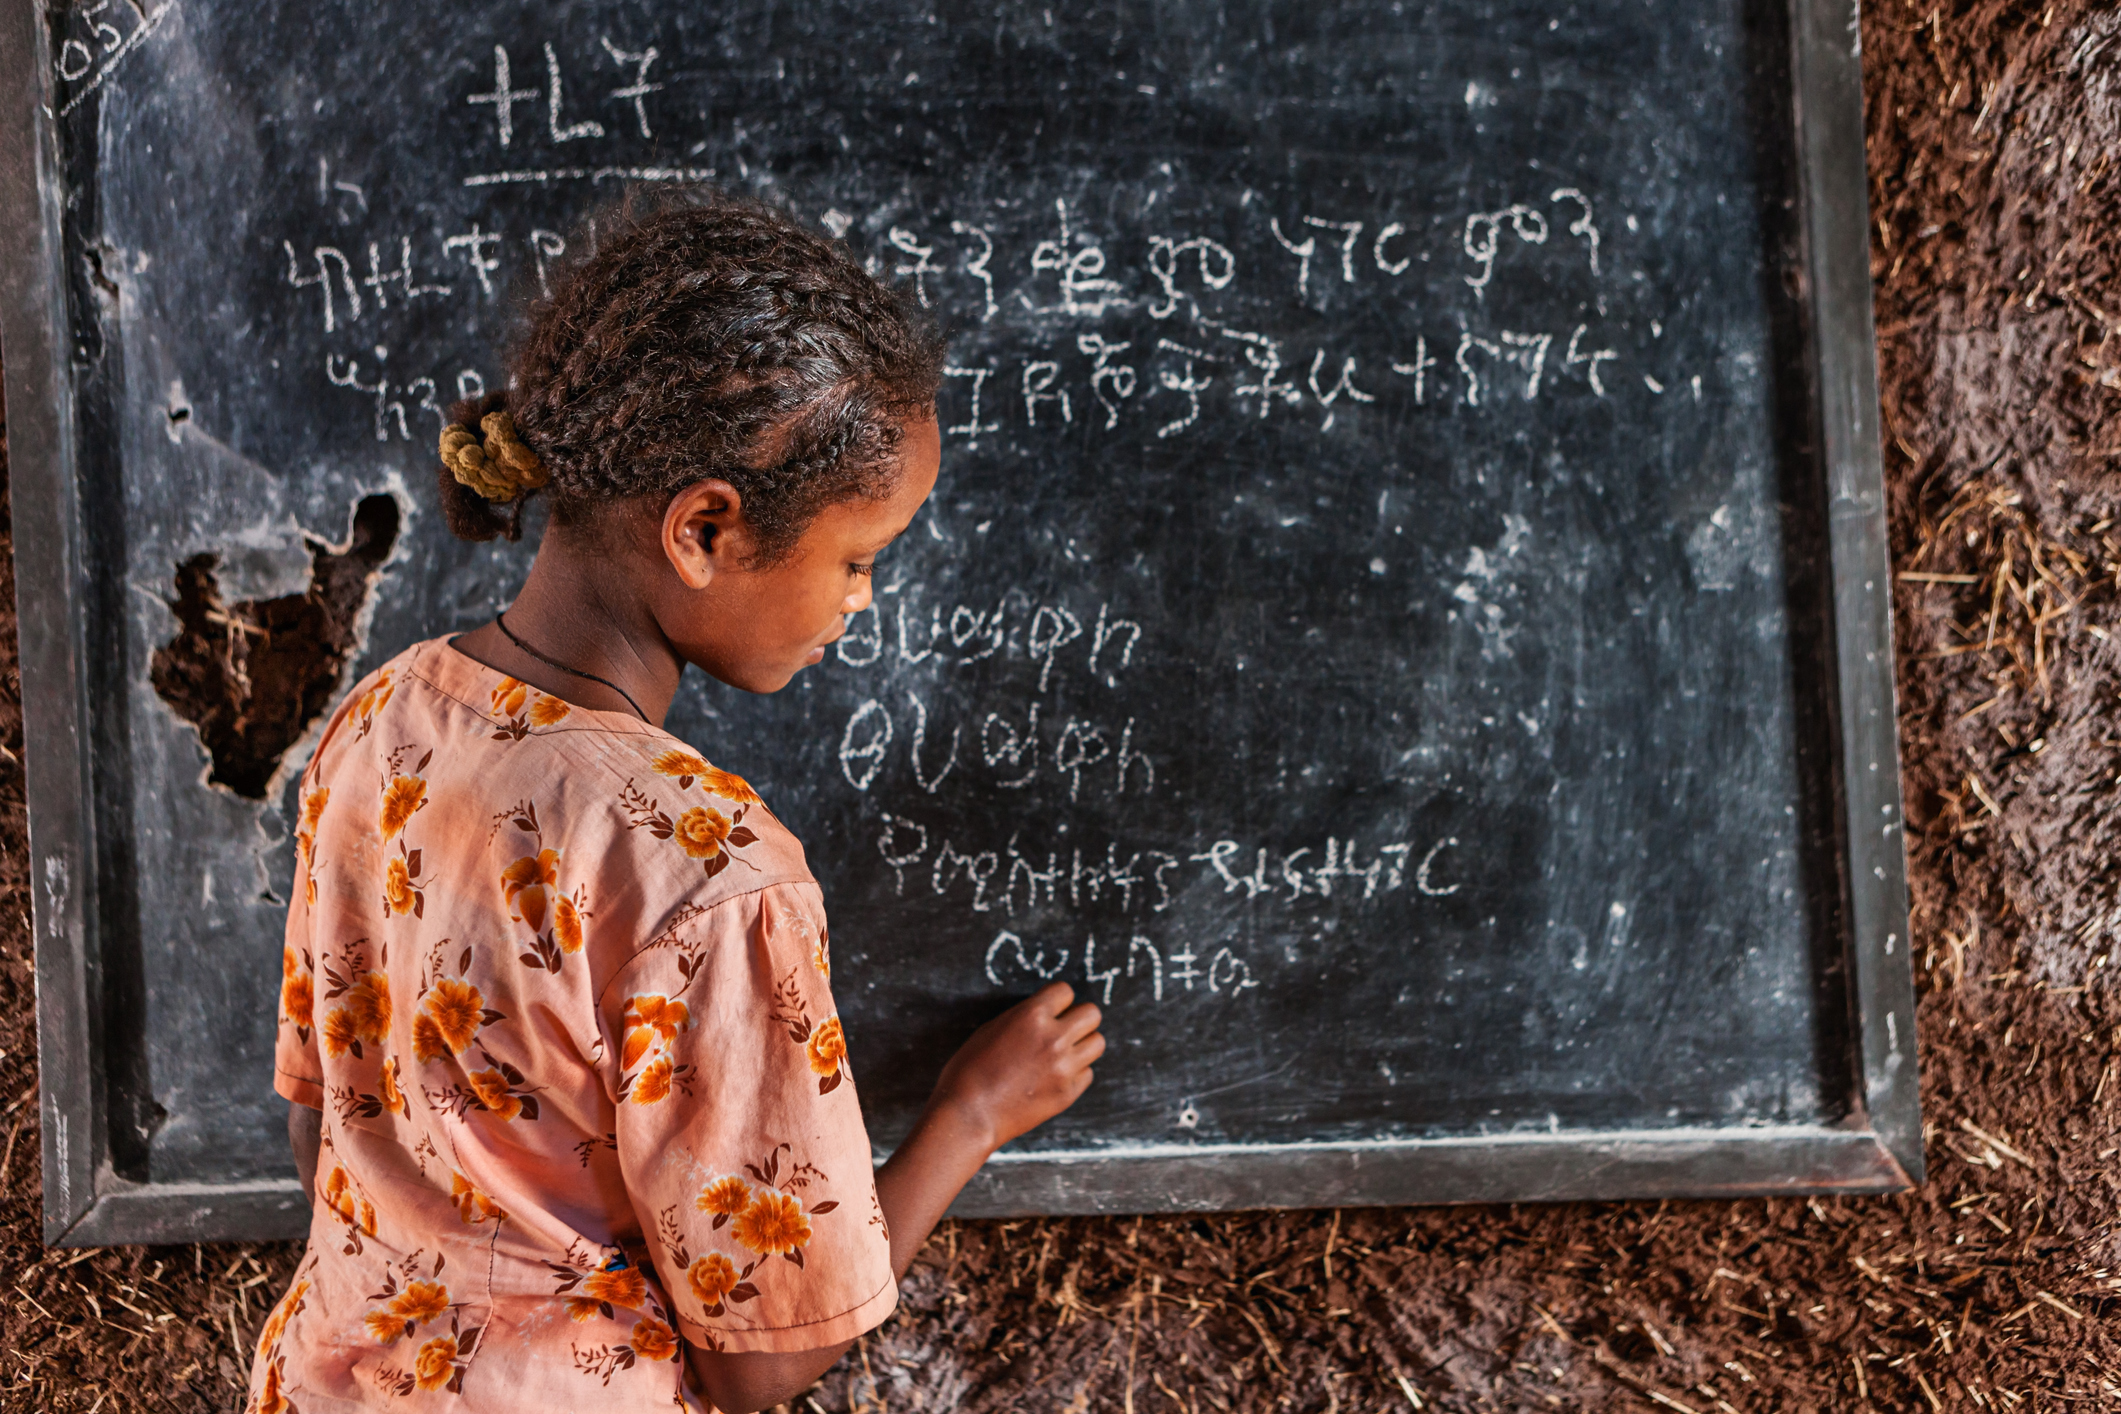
[755, 629]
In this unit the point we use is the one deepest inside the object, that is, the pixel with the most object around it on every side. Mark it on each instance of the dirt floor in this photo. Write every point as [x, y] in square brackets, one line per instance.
[1994, 132]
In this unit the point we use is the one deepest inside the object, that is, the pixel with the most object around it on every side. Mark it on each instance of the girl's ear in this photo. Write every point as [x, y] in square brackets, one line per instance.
[704, 532]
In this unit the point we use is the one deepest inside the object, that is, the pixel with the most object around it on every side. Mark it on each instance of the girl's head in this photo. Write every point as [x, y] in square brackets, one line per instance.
[728, 414]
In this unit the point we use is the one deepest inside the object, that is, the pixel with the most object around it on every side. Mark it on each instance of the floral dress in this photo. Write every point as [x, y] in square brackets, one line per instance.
[560, 988]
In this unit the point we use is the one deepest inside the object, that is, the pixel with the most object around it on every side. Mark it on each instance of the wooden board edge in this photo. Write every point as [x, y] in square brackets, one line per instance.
[1712, 1163]
[47, 566]
[1827, 85]
[266, 1210]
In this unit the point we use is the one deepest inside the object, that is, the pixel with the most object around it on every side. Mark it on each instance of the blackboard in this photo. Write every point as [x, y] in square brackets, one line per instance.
[1403, 621]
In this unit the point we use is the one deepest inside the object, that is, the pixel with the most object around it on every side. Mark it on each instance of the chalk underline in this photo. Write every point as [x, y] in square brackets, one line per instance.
[590, 174]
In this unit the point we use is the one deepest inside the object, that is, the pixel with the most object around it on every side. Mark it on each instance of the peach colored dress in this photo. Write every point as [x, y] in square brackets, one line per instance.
[559, 987]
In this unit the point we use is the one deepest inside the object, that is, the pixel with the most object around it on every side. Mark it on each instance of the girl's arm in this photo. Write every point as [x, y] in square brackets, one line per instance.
[1017, 1072]
[305, 1134]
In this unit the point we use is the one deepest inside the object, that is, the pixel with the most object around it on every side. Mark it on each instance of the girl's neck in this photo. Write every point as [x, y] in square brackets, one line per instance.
[583, 611]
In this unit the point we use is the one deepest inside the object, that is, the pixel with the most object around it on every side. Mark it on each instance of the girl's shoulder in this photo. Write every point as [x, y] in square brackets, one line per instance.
[499, 754]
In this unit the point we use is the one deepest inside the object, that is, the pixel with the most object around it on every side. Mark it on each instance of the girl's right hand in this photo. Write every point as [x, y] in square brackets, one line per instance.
[1025, 1066]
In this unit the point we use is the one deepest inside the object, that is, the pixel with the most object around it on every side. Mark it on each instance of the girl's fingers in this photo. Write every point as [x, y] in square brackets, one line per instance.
[1090, 1048]
[1052, 999]
[1078, 1022]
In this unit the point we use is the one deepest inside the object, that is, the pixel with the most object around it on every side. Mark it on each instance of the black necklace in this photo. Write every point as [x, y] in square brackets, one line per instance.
[502, 623]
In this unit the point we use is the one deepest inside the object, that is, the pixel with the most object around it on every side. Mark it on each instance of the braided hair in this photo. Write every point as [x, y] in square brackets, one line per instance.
[706, 335]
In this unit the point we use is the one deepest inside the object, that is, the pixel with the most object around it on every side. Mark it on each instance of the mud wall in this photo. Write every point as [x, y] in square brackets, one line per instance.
[1993, 132]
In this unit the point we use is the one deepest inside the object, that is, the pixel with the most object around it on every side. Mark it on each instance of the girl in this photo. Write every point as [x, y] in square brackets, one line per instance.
[556, 1020]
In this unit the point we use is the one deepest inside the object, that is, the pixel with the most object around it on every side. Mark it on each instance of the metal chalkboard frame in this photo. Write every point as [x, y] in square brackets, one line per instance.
[1879, 1148]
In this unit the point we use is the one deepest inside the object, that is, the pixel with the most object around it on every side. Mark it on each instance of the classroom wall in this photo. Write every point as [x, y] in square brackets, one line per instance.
[1998, 307]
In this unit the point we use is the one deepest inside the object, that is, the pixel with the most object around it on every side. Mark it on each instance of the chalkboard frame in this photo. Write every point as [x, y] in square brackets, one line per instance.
[1879, 1148]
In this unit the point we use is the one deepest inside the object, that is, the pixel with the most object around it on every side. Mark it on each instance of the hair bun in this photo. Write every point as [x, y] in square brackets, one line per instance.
[500, 466]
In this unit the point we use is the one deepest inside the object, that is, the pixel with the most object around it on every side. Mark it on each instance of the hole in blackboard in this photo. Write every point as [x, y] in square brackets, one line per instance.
[252, 674]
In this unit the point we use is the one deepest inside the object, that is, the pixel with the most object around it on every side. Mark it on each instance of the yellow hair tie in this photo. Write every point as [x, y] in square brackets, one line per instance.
[501, 467]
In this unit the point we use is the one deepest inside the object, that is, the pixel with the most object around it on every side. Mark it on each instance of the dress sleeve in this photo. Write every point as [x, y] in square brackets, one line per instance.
[298, 1073]
[738, 1131]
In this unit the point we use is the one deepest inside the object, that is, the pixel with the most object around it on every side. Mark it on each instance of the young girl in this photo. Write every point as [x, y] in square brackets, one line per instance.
[556, 1019]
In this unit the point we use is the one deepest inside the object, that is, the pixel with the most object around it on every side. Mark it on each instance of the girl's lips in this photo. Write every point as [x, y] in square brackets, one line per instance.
[815, 655]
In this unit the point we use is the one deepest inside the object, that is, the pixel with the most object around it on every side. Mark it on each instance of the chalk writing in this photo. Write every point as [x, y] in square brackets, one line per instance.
[1010, 962]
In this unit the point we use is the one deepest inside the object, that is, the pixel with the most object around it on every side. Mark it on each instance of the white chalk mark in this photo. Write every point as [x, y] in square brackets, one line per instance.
[545, 247]
[976, 265]
[1347, 246]
[1263, 354]
[378, 278]
[478, 247]
[1012, 751]
[870, 751]
[1571, 357]
[1129, 757]
[873, 642]
[1164, 255]
[1137, 945]
[640, 88]
[920, 270]
[544, 175]
[1092, 975]
[1582, 225]
[1104, 374]
[386, 405]
[1052, 628]
[1038, 378]
[1185, 383]
[1483, 237]
[1303, 253]
[131, 42]
[1532, 358]
[920, 734]
[588, 127]
[971, 427]
[1080, 273]
[322, 278]
[1326, 398]
[898, 862]
[1104, 634]
[1466, 344]
[503, 98]
[1035, 965]
[1421, 875]
[1377, 250]
[1415, 370]
[1081, 746]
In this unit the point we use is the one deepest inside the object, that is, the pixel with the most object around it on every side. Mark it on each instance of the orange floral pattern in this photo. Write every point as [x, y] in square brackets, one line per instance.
[404, 796]
[312, 812]
[702, 831]
[773, 1223]
[472, 1205]
[436, 1364]
[490, 1087]
[524, 886]
[453, 1011]
[364, 1016]
[456, 1036]
[649, 1019]
[298, 992]
[653, 1341]
[827, 1047]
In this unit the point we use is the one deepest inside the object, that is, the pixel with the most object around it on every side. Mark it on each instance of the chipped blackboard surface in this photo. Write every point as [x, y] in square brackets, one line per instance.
[1401, 622]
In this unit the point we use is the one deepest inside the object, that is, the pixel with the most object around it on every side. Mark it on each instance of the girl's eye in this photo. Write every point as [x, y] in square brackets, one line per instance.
[867, 569]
